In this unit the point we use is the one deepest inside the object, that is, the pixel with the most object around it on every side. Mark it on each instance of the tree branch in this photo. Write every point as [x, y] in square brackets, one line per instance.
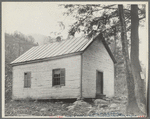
[141, 18]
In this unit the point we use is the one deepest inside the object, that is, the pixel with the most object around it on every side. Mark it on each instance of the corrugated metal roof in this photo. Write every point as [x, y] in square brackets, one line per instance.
[55, 49]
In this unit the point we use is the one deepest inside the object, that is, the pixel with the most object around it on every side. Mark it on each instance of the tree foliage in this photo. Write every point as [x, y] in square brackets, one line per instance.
[104, 17]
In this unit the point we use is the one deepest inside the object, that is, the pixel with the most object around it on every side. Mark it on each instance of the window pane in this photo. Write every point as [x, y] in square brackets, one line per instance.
[55, 75]
[58, 81]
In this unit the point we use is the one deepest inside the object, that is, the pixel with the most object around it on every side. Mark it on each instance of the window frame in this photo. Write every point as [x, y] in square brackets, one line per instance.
[61, 83]
[27, 79]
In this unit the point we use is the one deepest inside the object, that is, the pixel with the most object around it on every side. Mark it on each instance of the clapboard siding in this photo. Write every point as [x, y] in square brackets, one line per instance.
[95, 58]
[41, 79]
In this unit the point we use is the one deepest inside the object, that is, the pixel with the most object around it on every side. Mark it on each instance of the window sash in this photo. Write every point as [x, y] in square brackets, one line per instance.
[56, 81]
[58, 78]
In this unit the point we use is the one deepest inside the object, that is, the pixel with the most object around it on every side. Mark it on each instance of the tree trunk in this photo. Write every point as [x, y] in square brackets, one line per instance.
[132, 107]
[135, 64]
[115, 46]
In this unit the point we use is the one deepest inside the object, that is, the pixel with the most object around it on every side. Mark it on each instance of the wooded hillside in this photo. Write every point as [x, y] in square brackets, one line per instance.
[15, 45]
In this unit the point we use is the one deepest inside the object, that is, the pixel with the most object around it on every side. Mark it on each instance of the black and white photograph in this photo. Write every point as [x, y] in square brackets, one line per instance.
[74, 59]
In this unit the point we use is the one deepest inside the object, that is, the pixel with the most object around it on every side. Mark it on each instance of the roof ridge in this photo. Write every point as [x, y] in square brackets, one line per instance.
[61, 41]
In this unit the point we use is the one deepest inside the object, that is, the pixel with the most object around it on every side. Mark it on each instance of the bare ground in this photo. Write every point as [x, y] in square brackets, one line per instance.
[115, 107]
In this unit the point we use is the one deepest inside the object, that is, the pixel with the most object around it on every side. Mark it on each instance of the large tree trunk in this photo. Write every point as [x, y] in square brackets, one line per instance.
[132, 107]
[115, 46]
[135, 64]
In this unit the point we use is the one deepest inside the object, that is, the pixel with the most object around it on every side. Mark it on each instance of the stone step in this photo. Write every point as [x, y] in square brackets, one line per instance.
[100, 96]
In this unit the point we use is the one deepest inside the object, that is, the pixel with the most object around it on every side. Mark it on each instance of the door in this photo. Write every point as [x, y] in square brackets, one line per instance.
[99, 83]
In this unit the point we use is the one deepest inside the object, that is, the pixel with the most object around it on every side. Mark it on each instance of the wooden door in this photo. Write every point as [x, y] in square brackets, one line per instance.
[99, 83]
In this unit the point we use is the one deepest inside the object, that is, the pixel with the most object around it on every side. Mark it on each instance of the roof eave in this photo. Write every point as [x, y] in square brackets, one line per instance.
[46, 59]
[108, 50]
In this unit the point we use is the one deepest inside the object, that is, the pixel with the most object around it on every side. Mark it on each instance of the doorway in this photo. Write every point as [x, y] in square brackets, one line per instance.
[99, 83]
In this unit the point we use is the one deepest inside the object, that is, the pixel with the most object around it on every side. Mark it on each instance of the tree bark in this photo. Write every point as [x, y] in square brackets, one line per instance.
[115, 46]
[132, 107]
[135, 64]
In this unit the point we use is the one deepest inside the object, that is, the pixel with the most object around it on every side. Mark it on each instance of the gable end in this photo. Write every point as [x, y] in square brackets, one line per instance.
[100, 36]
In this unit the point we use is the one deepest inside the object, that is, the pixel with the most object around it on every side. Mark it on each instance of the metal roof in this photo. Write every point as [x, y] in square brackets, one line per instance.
[61, 48]
[55, 49]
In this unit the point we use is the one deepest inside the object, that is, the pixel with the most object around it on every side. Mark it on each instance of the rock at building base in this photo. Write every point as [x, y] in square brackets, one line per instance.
[100, 101]
[113, 105]
[79, 105]
[103, 105]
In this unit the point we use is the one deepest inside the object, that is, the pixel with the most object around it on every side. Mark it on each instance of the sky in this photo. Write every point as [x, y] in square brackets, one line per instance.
[44, 17]
[33, 17]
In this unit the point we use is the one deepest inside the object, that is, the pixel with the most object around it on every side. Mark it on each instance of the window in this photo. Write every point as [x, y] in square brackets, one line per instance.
[27, 79]
[58, 77]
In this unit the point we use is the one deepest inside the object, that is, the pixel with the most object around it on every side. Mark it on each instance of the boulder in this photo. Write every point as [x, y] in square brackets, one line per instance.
[113, 105]
[81, 103]
[70, 108]
[43, 110]
[100, 101]
[103, 105]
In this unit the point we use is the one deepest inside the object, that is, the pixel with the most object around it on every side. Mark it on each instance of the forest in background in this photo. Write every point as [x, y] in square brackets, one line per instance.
[15, 45]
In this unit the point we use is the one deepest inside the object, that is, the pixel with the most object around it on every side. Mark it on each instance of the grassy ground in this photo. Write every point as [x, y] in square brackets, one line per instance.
[56, 108]
[50, 108]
